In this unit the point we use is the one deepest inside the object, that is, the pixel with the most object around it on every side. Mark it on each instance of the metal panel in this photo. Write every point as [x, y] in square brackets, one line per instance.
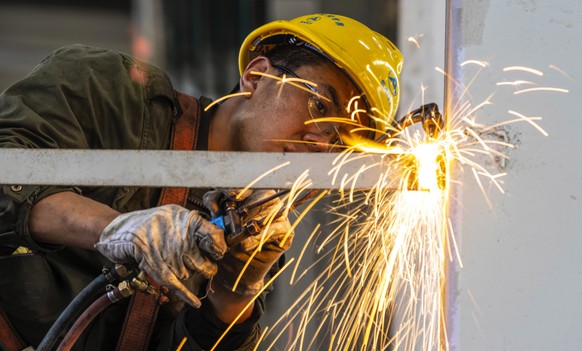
[520, 286]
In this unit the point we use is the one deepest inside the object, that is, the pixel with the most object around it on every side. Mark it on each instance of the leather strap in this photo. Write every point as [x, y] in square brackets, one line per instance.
[143, 308]
[9, 338]
[184, 137]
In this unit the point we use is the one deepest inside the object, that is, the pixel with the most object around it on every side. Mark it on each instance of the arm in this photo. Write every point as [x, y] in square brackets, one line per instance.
[227, 305]
[69, 219]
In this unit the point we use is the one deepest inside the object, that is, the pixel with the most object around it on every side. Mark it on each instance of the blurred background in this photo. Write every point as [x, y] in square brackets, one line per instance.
[196, 41]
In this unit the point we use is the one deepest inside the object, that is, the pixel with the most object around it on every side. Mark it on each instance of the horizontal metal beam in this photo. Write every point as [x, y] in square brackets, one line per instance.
[198, 169]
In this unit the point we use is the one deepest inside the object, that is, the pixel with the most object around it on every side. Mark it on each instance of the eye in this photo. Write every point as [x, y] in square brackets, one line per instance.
[317, 108]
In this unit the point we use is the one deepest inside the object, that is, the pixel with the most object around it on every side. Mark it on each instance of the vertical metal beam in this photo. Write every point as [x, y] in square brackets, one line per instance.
[450, 298]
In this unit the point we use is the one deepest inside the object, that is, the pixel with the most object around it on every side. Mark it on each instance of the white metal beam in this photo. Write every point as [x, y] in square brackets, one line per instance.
[184, 168]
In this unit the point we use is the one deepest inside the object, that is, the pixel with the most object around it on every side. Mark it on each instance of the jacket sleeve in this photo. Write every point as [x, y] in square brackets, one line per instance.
[79, 97]
[15, 204]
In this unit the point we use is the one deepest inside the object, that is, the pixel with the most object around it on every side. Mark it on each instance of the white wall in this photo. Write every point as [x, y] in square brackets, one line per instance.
[520, 286]
[421, 39]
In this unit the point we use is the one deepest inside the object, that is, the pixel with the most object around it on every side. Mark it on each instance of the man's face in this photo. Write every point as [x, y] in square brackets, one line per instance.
[275, 116]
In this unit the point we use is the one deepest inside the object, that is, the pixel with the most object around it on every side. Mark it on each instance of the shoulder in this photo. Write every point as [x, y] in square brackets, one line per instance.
[79, 56]
[85, 54]
[79, 51]
[114, 70]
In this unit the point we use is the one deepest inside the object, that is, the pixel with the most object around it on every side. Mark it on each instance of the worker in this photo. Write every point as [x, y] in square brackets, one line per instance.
[54, 240]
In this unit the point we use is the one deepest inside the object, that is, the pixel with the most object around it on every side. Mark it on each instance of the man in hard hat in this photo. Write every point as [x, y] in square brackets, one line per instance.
[55, 239]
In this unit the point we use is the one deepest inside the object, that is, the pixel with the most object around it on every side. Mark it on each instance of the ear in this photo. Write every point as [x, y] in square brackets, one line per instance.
[248, 81]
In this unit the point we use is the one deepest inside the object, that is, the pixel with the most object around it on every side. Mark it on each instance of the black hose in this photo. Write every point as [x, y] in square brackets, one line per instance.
[70, 313]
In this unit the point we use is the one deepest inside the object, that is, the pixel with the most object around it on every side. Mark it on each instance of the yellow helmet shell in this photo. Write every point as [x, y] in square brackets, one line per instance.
[368, 58]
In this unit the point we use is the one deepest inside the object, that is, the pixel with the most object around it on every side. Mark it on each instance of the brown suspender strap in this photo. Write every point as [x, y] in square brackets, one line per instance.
[143, 308]
[184, 137]
[9, 338]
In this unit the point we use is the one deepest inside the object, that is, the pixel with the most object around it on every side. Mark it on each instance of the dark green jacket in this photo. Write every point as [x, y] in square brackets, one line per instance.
[88, 98]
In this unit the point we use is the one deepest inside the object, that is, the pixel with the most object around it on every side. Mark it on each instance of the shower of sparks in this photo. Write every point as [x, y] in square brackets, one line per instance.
[182, 344]
[516, 83]
[559, 90]
[561, 71]
[385, 257]
[385, 253]
[524, 69]
[476, 62]
[245, 93]
[415, 40]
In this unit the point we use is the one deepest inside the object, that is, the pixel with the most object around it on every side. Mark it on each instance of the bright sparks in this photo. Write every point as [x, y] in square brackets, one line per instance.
[385, 256]
[426, 156]
[387, 247]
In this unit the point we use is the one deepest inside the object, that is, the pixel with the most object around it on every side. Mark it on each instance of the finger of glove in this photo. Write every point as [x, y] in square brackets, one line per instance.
[212, 201]
[210, 238]
[195, 262]
[266, 209]
[250, 275]
[275, 233]
[239, 194]
[164, 276]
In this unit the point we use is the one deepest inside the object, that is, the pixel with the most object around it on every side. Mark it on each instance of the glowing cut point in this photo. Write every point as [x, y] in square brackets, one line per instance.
[427, 166]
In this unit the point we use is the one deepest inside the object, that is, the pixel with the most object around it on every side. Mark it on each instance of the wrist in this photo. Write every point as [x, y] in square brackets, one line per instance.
[227, 305]
[206, 328]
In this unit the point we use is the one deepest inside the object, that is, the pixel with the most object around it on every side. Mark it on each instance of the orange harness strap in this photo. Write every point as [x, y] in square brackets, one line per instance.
[9, 338]
[184, 137]
[143, 308]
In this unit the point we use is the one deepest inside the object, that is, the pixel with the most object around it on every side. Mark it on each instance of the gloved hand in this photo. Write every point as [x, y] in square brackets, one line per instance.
[268, 243]
[163, 241]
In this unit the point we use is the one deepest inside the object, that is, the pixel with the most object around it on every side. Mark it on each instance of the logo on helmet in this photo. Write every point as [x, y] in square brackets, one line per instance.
[393, 88]
[390, 88]
[311, 20]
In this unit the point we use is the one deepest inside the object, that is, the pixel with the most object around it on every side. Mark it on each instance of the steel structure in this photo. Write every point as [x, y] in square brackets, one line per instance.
[190, 169]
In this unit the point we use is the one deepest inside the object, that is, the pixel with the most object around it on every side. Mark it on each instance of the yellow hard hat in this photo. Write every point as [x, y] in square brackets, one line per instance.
[368, 58]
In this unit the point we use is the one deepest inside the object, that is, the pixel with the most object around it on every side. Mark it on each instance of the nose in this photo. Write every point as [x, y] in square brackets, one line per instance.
[319, 142]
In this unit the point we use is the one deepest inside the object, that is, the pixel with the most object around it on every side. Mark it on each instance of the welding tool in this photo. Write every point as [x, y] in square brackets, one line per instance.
[430, 117]
[432, 123]
[428, 114]
[231, 216]
[230, 219]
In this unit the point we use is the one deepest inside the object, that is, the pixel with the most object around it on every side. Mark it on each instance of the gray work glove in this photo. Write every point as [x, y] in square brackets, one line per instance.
[166, 242]
[235, 259]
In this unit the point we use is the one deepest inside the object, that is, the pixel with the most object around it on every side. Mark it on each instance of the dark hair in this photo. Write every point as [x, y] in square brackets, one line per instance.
[294, 56]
